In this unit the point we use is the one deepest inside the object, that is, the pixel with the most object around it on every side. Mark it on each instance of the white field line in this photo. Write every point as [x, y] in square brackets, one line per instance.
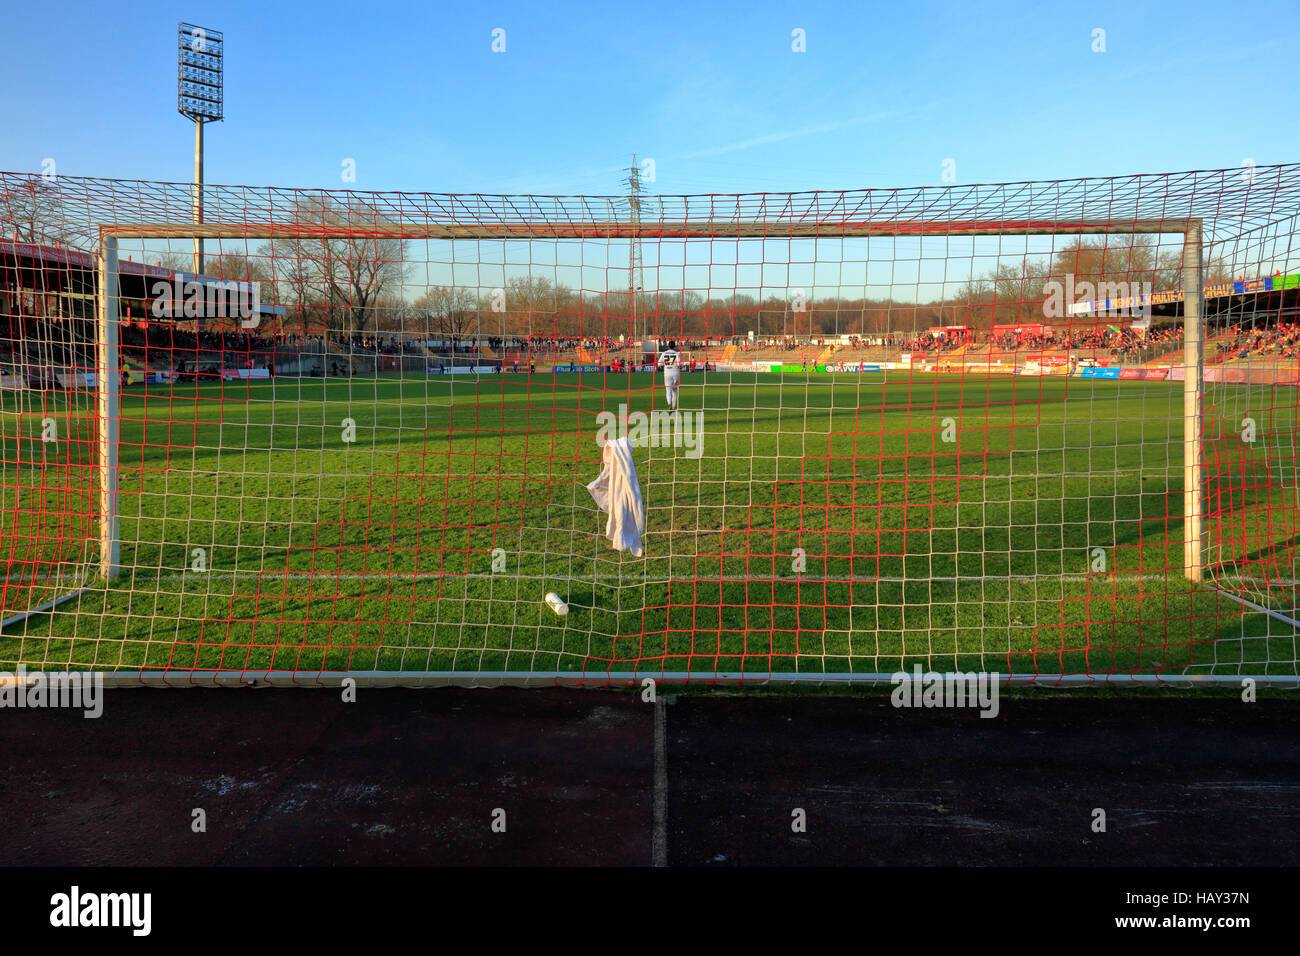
[1173, 472]
[659, 833]
[630, 579]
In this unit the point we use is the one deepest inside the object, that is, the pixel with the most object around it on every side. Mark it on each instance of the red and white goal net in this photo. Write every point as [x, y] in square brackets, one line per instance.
[956, 428]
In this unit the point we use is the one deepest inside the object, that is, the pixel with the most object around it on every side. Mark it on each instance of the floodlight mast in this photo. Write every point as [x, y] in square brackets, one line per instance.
[199, 81]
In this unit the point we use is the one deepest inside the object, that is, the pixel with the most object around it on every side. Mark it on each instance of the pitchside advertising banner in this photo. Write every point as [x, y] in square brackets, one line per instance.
[1144, 374]
[590, 369]
[992, 368]
[1259, 375]
[860, 366]
[229, 374]
[77, 379]
[1045, 365]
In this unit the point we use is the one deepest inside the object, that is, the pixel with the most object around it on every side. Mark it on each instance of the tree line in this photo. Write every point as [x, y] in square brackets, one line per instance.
[352, 282]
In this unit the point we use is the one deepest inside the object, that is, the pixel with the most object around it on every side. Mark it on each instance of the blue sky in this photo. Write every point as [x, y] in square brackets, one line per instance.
[712, 93]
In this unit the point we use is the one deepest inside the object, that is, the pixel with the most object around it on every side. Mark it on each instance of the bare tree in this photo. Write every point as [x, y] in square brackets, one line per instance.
[346, 277]
[33, 211]
[535, 306]
[176, 261]
[444, 312]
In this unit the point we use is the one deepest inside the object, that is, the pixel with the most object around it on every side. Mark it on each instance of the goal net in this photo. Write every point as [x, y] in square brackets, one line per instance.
[1042, 429]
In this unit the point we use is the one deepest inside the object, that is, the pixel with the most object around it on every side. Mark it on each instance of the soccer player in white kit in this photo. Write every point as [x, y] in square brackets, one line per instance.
[670, 360]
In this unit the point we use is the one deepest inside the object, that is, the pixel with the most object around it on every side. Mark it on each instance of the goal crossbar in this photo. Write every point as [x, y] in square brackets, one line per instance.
[650, 229]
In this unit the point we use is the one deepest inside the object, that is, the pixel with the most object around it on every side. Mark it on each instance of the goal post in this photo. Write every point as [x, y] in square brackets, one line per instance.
[109, 407]
[1001, 428]
[1193, 404]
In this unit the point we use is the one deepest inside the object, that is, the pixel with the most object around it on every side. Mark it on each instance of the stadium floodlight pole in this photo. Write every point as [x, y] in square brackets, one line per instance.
[199, 76]
[198, 196]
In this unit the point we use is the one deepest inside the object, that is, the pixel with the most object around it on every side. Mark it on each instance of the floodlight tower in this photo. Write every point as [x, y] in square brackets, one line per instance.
[199, 77]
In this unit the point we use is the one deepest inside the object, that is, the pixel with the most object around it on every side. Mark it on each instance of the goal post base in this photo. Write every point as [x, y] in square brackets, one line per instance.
[44, 608]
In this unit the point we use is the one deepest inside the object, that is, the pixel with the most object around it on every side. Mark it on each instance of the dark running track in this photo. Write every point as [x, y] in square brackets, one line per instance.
[297, 777]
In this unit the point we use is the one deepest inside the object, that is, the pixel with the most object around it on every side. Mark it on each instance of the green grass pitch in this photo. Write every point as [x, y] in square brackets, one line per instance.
[1023, 525]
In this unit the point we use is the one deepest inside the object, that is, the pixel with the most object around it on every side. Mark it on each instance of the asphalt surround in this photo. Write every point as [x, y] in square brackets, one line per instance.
[407, 777]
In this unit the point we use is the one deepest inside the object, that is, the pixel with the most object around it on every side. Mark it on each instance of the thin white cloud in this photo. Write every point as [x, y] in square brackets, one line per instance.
[790, 134]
